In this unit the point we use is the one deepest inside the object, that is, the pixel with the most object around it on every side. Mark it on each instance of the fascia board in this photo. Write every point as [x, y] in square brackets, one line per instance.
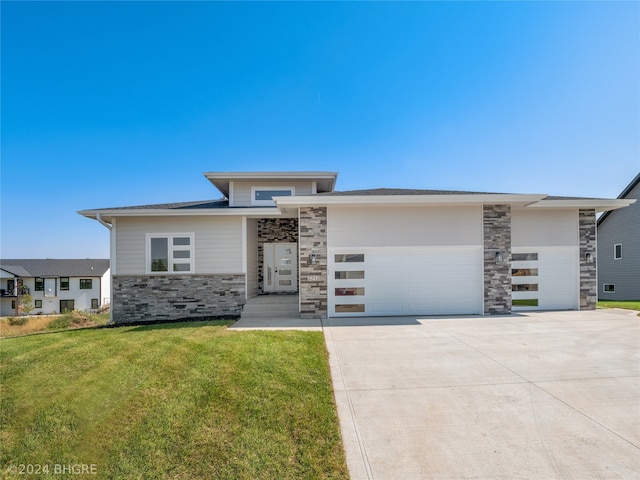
[269, 175]
[513, 199]
[152, 212]
[599, 205]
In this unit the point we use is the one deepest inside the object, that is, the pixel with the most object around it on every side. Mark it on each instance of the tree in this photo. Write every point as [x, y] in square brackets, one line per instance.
[26, 304]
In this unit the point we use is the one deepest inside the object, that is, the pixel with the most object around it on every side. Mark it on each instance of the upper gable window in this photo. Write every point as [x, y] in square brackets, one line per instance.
[263, 196]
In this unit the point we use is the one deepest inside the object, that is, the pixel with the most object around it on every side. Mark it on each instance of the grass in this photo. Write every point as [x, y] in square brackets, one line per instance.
[179, 401]
[628, 304]
[27, 325]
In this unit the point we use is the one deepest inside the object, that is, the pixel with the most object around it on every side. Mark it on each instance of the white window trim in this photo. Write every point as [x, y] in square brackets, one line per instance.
[267, 203]
[170, 236]
[614, 251]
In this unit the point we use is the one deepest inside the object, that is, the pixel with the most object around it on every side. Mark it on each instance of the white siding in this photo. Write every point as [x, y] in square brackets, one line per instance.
[242, 189]
[218, 242]
[252, 257]
[406, 226]
[532, 227]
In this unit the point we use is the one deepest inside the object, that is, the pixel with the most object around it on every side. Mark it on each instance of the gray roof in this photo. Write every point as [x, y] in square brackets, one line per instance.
[623, 194]
[49, 267]
[398, 191]
[199, 204]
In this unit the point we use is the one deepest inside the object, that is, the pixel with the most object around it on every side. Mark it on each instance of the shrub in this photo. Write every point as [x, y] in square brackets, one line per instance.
[18, 321]
[72, 319]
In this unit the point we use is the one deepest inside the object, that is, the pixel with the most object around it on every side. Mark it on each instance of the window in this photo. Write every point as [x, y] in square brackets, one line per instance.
[355, 308]
[525, 302]
[341, 292]
[350, 275]
[523, 257]
[617, 251]
[609, 288]
[86, 284]
[263, 196]
[350, 258]
[64, 283]
[39, 285]
[170, 253]
[95, 304]
[525, 287]
[524, 272]
[67, 306]
[37, 303]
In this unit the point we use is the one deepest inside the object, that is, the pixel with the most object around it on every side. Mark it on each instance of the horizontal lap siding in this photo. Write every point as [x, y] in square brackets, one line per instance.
[408, 226]
[242, 190]
[218, 242]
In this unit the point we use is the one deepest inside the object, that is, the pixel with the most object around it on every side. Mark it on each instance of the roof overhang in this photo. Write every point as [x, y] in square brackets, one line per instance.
[325, 181]
[597, 204]
[254, 212]
[407, 200]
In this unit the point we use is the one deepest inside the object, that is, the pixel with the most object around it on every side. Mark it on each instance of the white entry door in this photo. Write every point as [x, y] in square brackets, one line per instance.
[280, 267]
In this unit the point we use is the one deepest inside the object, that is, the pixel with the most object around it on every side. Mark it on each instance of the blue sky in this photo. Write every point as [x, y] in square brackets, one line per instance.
[127, 103]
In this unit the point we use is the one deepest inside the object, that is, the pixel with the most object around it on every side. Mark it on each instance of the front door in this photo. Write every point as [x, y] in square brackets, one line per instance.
[280, 267]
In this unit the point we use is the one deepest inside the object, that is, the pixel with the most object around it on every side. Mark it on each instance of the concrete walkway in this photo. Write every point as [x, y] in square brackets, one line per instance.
[546, 395]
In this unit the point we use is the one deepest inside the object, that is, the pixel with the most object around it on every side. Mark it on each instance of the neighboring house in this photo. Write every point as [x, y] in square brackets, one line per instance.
[55, 285]
[368, 252]
[619, 249]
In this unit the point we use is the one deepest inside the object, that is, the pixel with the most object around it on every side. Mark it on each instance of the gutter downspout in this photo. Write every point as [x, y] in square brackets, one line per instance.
[108, 227]
[102, 222]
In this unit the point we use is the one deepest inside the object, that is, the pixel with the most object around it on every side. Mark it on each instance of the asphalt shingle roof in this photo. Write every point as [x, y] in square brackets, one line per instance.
[86, 267]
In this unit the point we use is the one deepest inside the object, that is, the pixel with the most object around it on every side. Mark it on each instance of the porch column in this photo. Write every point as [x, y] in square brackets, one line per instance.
[313, 262]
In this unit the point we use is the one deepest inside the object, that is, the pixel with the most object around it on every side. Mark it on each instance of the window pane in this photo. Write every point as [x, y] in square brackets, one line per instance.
[85, 284]
[525, 287]
[524, 272]
[159, 254]
[341, 292]
[284, 282]
[350, 257]
[618, 251]
[523, 257]
[64, 283]
[350, 275]
[267, 194]
[181, 267]
[181, 241]
[356, 308]
[609, 287]
[528, 302]
[181, 254]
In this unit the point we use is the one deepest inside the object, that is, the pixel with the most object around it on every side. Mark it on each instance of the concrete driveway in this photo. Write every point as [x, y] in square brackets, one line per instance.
[545, 395]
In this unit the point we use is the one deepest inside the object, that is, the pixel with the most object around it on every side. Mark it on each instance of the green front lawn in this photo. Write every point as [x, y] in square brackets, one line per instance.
[179, 401]
[629, 304]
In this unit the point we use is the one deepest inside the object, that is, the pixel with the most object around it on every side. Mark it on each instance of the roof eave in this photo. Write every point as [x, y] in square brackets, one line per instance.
[597, 204]
[408, 200]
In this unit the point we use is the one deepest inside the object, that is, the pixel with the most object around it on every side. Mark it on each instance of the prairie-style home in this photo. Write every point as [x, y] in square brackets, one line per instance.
[378, 252]
[55, 285]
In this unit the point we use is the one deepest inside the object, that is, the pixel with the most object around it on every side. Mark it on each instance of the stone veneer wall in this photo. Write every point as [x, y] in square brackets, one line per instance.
[151, 298]
[588, 280]
[496, 221]
[273, 230]
[313, 277]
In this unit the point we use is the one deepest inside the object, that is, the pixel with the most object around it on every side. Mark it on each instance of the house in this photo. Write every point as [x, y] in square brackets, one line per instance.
[619, 249]
[55, 285]
[352, 253]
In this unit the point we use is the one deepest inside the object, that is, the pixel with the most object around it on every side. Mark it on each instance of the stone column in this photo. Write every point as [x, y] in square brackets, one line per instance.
[588, 280]
[496, 221]
[313, 276]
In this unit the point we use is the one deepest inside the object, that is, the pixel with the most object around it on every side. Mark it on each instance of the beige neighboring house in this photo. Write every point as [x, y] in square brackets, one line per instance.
[378, 252]
[55, 285]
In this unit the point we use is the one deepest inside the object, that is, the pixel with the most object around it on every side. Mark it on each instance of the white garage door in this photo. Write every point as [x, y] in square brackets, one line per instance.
[384, 281]
[545, 278]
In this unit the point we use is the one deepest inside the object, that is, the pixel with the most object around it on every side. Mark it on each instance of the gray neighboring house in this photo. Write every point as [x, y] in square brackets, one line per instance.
[619, 249]
[55, 285]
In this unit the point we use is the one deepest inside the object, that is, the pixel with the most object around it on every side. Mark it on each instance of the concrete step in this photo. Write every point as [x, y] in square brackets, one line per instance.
[271, 306]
